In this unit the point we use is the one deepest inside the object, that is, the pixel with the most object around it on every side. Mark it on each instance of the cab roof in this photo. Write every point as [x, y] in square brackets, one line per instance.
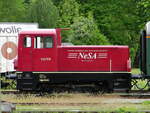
[39, 31]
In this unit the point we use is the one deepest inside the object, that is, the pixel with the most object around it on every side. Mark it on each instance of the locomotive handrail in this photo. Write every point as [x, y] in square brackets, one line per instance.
[110, 65]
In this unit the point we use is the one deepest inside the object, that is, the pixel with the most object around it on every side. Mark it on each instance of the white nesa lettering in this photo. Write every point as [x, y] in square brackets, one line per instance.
[9, 30]
[87, 55]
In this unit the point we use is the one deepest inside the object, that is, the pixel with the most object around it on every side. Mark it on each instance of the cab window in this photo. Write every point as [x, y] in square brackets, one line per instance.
[43, 42]
[48, 42]
[27, 42]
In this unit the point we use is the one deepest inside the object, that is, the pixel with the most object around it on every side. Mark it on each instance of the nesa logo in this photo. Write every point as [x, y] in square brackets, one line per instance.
[9, 30]
[87, 55]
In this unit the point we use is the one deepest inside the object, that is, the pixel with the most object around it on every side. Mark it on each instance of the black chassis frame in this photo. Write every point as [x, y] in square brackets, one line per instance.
[113, 80]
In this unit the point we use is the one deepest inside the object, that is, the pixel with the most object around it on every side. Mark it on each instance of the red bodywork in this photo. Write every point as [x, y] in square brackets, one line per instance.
[69, 58]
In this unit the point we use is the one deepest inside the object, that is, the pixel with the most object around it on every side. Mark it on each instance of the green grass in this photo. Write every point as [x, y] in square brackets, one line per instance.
[126, 110]
[146, 102]
[106, 108]
[135, 71]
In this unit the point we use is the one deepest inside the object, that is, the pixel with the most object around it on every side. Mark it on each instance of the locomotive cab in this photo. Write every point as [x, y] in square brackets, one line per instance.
[37, 50]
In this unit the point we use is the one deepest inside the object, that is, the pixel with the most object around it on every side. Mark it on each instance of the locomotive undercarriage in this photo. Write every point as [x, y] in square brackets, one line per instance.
[108, 82]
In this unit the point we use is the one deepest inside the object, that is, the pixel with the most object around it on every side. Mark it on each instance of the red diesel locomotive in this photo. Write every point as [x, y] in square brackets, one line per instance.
[42, 59]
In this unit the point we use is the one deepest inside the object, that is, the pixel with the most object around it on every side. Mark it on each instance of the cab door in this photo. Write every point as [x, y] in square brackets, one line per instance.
[26, 53]
[44, 54]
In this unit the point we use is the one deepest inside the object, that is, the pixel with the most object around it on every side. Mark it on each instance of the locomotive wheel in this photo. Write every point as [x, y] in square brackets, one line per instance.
[27, 82]
[44, 88]
[103, 87]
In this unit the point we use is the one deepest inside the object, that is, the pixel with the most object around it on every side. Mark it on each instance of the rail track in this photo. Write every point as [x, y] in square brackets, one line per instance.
[132, 94]
[72, 111]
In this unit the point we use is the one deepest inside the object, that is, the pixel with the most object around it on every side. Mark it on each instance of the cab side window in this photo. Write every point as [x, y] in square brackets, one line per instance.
[43, 42]
[38, 42]
[48, 42]
[27, 42]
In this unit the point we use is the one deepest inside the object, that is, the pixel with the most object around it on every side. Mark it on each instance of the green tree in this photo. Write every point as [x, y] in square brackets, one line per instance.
[68, 13]
[85, 32]
[117, 19]
[11, 11]
[143, 7]
[27, 1]
[44, 12]
[56, 2]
